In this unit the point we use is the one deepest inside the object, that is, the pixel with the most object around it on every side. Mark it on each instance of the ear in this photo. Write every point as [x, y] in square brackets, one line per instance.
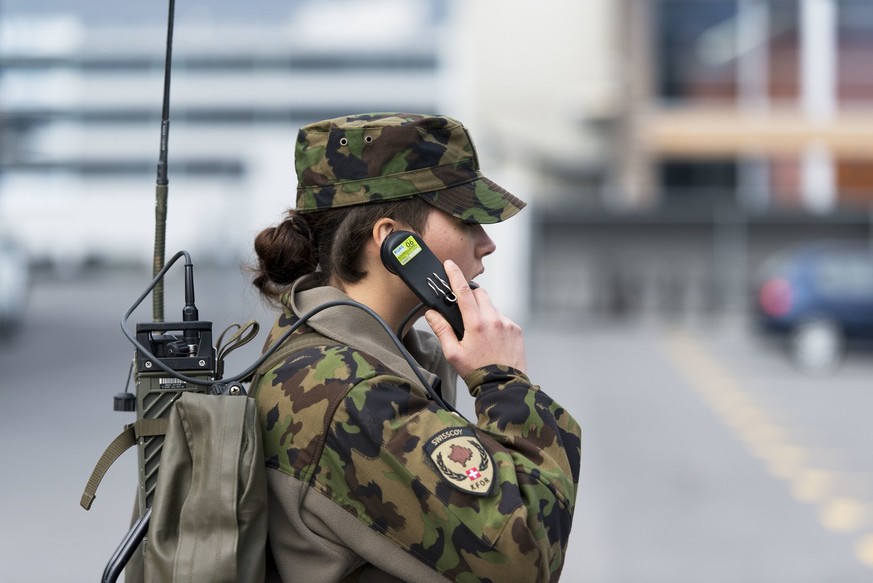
[382, 228]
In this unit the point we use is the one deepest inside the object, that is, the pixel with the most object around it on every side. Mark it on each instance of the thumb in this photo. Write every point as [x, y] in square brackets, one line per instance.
[440, 327]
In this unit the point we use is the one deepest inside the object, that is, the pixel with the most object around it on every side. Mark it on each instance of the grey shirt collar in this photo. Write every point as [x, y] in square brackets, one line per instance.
[356, 328]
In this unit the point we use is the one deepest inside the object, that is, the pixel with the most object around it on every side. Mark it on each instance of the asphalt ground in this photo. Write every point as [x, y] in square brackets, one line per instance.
[707, 457]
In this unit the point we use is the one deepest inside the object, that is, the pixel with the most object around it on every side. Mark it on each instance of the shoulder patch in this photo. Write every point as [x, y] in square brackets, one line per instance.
[462, 461]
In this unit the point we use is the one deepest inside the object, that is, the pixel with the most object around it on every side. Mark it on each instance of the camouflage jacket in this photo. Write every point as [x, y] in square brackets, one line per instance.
[370, 480]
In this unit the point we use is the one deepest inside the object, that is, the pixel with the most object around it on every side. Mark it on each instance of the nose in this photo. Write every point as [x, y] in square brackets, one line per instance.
[484, 244]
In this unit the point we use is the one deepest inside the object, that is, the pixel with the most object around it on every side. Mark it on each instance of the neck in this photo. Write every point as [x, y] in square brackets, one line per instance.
[385, 294]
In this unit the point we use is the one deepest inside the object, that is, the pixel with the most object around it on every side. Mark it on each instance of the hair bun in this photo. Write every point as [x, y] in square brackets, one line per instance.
[285, 252]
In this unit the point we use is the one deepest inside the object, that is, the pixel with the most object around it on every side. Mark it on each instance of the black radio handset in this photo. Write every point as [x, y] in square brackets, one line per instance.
[406, 255]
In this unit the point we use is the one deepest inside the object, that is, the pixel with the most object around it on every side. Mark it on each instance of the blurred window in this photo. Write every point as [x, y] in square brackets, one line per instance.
[854, 88]
[696, 40]
[699, 49]
[785, 182]
[855, 33]
[784, 50]
[846, 274]
[855, 180]
[691, 184]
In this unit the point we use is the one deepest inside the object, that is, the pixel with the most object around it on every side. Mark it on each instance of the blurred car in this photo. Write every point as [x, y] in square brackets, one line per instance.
[818, 296]
[14, 285]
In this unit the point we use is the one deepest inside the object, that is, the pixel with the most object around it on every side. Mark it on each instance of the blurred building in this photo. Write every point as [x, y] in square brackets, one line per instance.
[81, 97]
[761, 104]
[672, 144]
[768, 101]
[665, 146]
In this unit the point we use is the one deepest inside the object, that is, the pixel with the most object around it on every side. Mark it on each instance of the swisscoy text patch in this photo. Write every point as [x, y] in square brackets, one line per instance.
[462, 461]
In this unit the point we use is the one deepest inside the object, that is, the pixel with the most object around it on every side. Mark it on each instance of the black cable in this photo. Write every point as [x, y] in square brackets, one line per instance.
[126, 549]
[407, 318]
[416, 368]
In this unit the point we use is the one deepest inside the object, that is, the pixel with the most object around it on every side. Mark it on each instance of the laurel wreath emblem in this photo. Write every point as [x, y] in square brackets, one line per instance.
[484, 465]
[462, 477]
[453, 475]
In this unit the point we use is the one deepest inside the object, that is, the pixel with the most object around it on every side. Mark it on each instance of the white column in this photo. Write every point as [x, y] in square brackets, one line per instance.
[818, 99]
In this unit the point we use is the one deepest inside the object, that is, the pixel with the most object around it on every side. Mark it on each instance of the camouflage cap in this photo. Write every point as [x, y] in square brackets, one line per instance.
[378, 157]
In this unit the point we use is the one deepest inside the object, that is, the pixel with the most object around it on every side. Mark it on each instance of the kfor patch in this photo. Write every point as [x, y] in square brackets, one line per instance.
[461, 460]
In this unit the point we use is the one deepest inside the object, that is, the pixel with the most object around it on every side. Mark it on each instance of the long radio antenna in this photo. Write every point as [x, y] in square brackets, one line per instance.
[162, 183]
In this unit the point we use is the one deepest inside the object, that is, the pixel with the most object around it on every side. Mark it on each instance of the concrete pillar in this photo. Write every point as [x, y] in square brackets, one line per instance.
[818, 33]
[635, 172]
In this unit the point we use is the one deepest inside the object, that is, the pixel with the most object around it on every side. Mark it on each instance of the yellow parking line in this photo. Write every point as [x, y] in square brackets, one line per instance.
[864, 550]
[816, 485]
[767, 440]
[844, 514]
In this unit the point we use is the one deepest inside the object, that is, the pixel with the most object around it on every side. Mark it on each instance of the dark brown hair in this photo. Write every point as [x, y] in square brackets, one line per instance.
[328, 242]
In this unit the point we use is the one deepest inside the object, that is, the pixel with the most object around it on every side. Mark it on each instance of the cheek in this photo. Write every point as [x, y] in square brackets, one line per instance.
[453, 242]
[460, 248]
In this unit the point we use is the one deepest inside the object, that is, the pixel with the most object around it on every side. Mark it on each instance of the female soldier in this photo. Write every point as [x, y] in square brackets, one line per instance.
[371, 479]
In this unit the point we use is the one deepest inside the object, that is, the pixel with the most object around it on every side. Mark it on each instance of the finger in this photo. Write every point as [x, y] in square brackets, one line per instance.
[441, 327]
[483, 301]
[459, 283]
[464, 294]
[484, 306]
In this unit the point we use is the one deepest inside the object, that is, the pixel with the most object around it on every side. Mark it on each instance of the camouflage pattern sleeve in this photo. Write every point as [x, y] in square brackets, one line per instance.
[544, 443]
[488, 503]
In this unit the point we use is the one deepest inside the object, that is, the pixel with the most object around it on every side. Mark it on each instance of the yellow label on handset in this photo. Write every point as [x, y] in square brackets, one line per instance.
[407, 250]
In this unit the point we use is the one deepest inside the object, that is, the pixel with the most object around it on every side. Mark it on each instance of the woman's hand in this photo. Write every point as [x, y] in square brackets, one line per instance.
[489, 336]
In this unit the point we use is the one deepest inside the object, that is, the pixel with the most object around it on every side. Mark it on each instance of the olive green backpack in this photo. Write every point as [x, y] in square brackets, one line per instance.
[208, 521]
[209, 517]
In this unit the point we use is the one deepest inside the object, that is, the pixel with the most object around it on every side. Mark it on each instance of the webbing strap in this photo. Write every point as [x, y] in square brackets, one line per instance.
[125, 440]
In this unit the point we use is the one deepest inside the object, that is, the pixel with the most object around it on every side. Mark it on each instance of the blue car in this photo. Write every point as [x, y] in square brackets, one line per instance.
[819, 297]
